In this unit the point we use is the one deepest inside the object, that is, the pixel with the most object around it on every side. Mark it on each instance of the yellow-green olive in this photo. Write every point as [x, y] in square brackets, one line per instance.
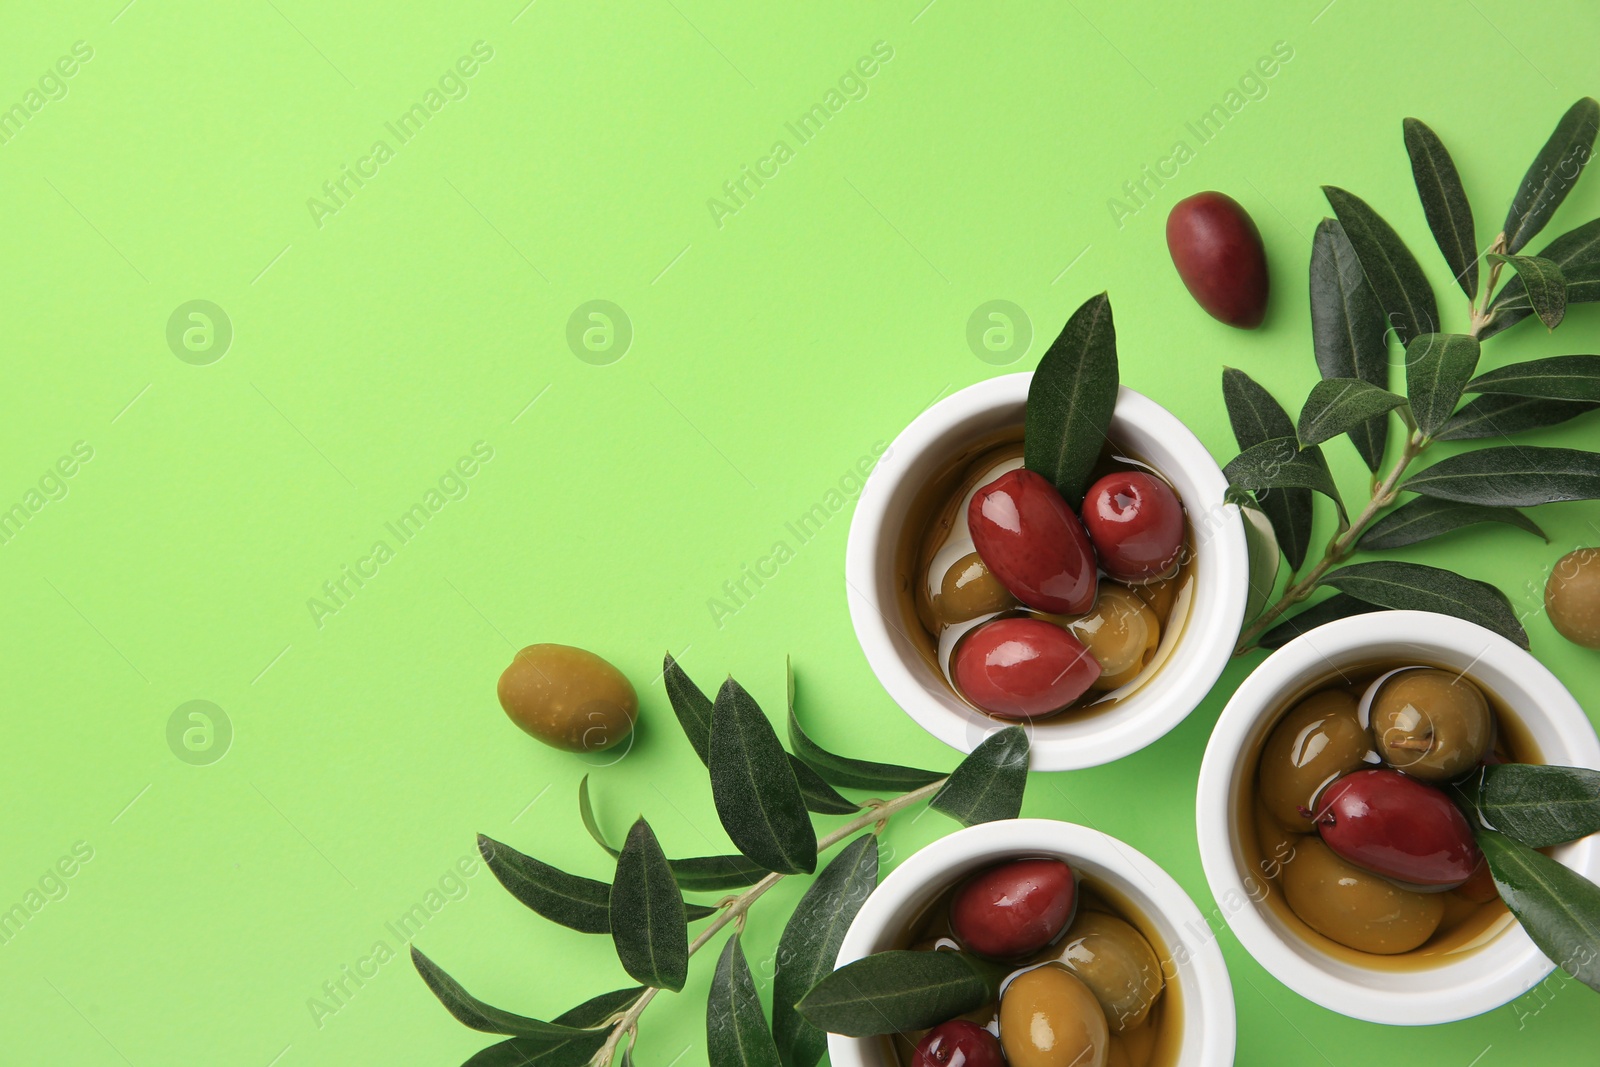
[1120, 632]
[1134, 1048]
[1572, 597]
[1161, 594]
[568, 698]
[1117, 964]
[968, 590]
[1360, 910]
[1317, 741]
[1431, 724]
[1276, 843]
[1049, 1018]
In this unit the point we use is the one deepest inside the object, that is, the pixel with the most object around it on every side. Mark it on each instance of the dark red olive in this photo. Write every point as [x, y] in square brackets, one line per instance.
[1022, 668]
[1218, 252]
[1029, 539]
[1014, 909]
[1398, 827]
[958, 1043]
[1135, 522]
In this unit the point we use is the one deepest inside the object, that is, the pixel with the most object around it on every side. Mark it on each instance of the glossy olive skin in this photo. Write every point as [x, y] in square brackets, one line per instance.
[1117, 964]
[1358, 909]
[568, 698]
[1480, 887]
[1022, 668]
[1317, 741]
[958, 1043]
[1432, 724]
[1135, 522]
[1219, 255]
[1049, 1018]
[1120, 632]
[967, 590]
[1395, 826]
[1014, 909]
[1572, 597]
[1030, 539]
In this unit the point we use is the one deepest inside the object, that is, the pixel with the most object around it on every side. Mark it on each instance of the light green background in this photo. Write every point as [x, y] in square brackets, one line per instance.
[769, 354]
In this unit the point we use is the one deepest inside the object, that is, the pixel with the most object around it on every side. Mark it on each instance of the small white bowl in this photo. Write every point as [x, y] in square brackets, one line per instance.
[1222, 570]
[1188, 947]
[1478, 979]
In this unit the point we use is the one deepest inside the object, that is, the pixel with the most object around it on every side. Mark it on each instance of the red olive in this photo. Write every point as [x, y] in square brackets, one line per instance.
[1398, 827]
[1218, 252]
[1029, 539]
[1022, 668]
[1014, 909]
[958, 1043]
[1135, 523]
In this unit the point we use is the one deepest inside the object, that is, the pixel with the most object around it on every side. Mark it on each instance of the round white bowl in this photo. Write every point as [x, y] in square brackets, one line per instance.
[1222, 570]
[1478, 979]
[1191, 950]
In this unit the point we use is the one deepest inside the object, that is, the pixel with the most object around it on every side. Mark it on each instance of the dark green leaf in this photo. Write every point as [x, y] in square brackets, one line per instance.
[1558, 908]
[470, 1011]
[541, 1052]
[1414, 587]
[1282, 464]
[1425, 518]
[1577, 253]
[1541, 805]
[586, 813]
[1543, 283]
[649, 922]
[1554, 172]
[1071, 398]
[810, 943]
[1498, 415]
[1438, 367]
[1552, 378]
[1338, 606]
[597, 1011]
[1511, 476]
[1397, 281]
[893, 991]
[1257, 417]
[1349, 333]
[698, 874]
[573, 901]
[818, 795]
[1444, 202]
[1340, 405]
[988, 784]
[689, 704]
[853, 773]
[736, 1030]
[753, 784]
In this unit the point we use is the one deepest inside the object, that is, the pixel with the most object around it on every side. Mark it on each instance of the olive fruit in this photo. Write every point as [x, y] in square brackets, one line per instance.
[568, 698]
[1135, 522]
[1021, 668]
[1572, 597]
[1219, 255]
[969, 589]
[1049, 1018]
[1432, 724]
[1346, 904]
[1480, 887]
[1121, 633]
[1031, 540]
[1014, 909]
[958, 1043]
[1117, 964]
[1395, 826]
[1317, 741]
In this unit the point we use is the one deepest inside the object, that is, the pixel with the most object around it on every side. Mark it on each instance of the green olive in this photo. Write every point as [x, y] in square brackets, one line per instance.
[1572, 597]
[1161, 594]
[1117, 964]
[1346, 904]
[1049, 1018]
[568, 698]
[1431, 724]
[1120, 631]
[968, 590]
[1317, 741]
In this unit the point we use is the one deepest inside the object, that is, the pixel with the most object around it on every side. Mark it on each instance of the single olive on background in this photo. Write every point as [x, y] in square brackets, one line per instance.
[1317, 741]
[1397, 827]
[1022, 668]
[1360, 910]
[1121, 633]
[1135, 522]
[958, 1043]
[1117, 964]
[568, 698]
[1049, 1018]
[969, 589]
[1219, 255]
[1035, 545]
[1572, 597]
[1014, 909]
[1432, 724]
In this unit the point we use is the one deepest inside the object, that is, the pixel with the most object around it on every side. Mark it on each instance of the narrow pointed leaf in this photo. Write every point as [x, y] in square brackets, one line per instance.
[1543, 283]
[818, 795]
[1541, 805]
[575, 902]
[1414, 587]
[1339, 405]
[753, 784]
[1559, 908]
[1338, 606]
[1348, 331]
[1501, 415]
[1427, 517]
[586, 813]
[541, 1052]
[470, 1011]
[736, 1029]
[894, 991]
[1577, 254]
[1397, 280]
[988, 784]
[597, 1011]
[1282, 464]
[1438, 367]
[852, 773]
[1554, 172]
[1071, 398]
[649, 923]
[1515, 476]
[1551, 378]
[690, 705]
[1257, 417]
[1444, 202]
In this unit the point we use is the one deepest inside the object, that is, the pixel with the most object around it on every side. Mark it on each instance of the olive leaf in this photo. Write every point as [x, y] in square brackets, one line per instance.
[575, 902]
[1511, 476]
[1415, 587]
[648, 925]
[1551, 378]
[811, 941]
[1338, 606]
[1544, 284]
[1540, 805]
[1427, 517]
[1340, 405]
[1438, 367]
[1280, 463]
[1577, 254]
[988, 784]
[1444, 202]
[1559, 909]
[1257, 417]
[470, 1011]
[597, 1011]
[1071, 398]
[541, 1051]
[853, 773]
[757, 796]
[699, 873]
[1554, 172]
[1501, 415]
[895, 991]
[1348, 332]
[736, 1029]
[1397, 280]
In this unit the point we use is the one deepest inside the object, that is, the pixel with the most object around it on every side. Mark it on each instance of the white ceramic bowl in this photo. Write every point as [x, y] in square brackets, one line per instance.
[1191, 950]
[1475, 981]
[1150, 432]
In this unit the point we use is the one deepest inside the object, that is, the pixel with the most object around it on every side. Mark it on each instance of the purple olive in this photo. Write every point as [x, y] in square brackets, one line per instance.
[1014, 909]
[1219, 255]
[958, 1043]
[1395, 826]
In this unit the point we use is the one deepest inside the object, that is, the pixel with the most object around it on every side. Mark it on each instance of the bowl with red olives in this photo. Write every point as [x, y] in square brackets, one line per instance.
[1332, 822]
[1096, 957]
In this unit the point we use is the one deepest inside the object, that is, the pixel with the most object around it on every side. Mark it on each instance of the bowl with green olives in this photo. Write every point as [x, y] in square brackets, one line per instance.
[1096, 956]
[1328, 816]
